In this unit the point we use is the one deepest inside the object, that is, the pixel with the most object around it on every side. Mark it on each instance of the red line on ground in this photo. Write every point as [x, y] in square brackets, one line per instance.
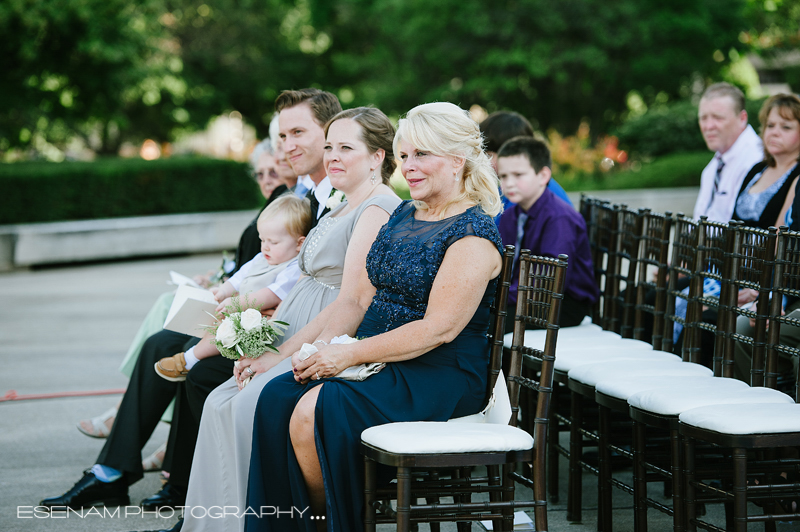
[12, 395]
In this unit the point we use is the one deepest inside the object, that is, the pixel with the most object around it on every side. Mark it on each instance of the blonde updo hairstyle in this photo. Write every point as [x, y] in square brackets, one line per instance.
[447, 130]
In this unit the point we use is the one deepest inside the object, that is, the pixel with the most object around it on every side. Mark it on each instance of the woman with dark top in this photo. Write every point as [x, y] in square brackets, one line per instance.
[780, 123]
[438, 253]
[769, 188]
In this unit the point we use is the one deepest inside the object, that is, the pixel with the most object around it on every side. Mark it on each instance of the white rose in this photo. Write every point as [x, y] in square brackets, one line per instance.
[226, 333]
[251, 318]
[336, 198]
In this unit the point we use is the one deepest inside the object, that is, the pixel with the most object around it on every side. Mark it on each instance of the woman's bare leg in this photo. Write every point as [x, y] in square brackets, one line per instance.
[301, 429]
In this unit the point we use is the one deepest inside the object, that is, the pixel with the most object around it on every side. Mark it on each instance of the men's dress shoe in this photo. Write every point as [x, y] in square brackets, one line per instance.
[169, 495]
[176, 528]
[172, 368]
[90, 491]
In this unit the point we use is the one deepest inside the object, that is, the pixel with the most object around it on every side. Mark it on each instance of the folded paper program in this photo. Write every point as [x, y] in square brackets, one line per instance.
[353, 373]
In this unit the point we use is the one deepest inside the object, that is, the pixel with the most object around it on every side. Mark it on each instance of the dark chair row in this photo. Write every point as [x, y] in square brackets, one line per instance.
[630, 259]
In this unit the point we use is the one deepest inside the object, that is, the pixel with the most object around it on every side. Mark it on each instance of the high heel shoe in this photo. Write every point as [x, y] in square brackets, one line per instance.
[100, 427]
[155, 460]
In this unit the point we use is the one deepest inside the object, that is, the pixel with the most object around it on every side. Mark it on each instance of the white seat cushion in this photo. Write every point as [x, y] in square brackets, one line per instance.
[591, 374]
[599, 345]
[426, 437]
[624, 387]
[567, 361]
[674, 401]
[535, 338]
[745, 418]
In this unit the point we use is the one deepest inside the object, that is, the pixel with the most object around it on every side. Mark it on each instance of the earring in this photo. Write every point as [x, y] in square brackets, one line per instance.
[455, 175]
[373, 179]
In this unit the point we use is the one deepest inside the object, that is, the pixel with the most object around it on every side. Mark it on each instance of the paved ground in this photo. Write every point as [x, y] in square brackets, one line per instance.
[65, 330]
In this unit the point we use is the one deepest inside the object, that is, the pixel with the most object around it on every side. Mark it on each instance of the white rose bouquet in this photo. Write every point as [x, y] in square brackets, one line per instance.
[245, 332]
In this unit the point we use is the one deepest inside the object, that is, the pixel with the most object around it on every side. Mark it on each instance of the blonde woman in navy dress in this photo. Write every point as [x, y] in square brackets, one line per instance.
[438, 253]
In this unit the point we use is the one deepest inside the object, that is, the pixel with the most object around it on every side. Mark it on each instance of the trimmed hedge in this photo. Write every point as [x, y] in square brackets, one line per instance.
[109, 188]
[674, 170]
[671, 128]
[661, 130]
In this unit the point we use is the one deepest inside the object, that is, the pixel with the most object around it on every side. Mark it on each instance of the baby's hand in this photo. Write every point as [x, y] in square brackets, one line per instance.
[219, 293]
[224, 303]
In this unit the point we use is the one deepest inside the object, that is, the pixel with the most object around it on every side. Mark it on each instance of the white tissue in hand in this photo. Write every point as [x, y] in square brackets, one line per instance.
[353, 373]
[343, 339]
[306, 351]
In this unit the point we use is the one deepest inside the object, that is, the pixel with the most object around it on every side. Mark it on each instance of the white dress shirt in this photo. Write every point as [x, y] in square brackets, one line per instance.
[738, 160]
[322, 192]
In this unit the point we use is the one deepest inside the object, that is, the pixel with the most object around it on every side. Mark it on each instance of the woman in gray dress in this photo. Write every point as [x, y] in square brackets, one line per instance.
[359, 161]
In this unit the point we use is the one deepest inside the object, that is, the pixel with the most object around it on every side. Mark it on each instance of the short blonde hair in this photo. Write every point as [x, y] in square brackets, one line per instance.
[446, 130]
[297, 212]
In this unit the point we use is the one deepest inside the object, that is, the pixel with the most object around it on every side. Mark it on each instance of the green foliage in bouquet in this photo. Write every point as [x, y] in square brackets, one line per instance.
[244, 332]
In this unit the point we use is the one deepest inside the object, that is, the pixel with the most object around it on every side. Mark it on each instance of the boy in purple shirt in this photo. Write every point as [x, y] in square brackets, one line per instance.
[544, 224]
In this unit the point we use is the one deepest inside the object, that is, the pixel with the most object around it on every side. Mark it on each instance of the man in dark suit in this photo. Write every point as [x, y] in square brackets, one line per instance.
[302, 116]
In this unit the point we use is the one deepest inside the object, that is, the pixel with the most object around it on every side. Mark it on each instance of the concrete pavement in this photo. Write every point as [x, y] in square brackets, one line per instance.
[66, 330]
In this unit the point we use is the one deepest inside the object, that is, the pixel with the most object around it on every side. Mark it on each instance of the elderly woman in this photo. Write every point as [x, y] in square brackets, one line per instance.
[359, 161]
[438, 253]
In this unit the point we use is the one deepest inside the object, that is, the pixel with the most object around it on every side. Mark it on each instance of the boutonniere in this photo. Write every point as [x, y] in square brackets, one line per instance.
[336, 197]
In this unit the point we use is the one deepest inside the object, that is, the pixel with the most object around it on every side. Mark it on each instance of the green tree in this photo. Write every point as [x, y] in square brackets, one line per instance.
[774, 33]
[773, 25]
[239, 54]
[100, 69]
[558, 62]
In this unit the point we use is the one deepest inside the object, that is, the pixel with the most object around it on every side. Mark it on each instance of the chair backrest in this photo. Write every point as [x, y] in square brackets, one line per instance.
[626, 240]
[585, 208]
[713, 243]
[684, 252]
[541, 288]
[785, 284]
[748, 265]
[653, 253]
[499, 317]
[601, 243]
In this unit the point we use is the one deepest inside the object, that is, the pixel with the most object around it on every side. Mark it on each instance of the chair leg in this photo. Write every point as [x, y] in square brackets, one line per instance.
[678, 522]
[604, 496]
[495, 495]
[370, 475]
[575, 482]
[403, 499]
[690, 509]
[539, 492]
[639, 479]
[552, 442]
[463, 526]
[739, 490]
[508, 498]
[434, 475]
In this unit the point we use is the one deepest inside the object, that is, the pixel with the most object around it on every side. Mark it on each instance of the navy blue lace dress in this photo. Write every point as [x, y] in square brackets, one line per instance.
[446, 382]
